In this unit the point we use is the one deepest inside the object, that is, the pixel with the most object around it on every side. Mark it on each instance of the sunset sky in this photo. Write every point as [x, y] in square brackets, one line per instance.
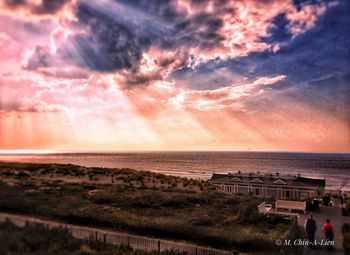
[175, 75]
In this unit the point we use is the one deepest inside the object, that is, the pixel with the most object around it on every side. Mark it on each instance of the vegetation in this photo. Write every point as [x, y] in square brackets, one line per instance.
[140, 202]
[345, 201]
[346, 238]
[37, 239]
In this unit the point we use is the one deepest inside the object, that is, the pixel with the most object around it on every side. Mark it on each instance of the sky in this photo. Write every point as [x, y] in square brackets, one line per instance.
[119, 75]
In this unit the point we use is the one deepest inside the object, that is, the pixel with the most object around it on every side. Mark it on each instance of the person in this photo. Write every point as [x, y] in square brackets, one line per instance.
[310, 227]
[328, 232]
[326, 200]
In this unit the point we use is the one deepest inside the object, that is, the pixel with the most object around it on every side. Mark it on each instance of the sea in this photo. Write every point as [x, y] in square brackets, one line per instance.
[333, 167]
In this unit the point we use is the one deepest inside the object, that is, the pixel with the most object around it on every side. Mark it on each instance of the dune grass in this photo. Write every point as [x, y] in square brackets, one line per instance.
[141, 202]
[39, 240]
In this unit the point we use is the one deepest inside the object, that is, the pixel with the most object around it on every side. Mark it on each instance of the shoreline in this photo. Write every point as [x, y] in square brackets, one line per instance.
[201, 175]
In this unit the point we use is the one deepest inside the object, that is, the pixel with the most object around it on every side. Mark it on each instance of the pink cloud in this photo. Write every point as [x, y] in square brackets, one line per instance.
[9, 48]
[228, 97]
[305, 18]
[20, 95]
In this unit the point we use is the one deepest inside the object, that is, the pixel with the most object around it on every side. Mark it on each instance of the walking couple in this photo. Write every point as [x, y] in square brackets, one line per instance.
[311, 227]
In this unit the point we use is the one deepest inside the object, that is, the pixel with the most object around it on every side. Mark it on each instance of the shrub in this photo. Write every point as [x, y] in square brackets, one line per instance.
[204, 220]
[346, 238]
[249, 214]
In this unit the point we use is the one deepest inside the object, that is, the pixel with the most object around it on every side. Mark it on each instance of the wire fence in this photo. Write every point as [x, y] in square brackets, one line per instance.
[119, 238]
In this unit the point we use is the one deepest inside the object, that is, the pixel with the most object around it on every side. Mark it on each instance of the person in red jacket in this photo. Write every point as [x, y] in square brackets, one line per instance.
[328, 231]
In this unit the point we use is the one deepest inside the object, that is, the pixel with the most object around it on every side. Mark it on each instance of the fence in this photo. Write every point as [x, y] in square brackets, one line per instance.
[118, 238]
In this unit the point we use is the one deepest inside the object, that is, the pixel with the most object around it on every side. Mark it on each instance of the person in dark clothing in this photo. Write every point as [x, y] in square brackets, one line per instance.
[310, 227]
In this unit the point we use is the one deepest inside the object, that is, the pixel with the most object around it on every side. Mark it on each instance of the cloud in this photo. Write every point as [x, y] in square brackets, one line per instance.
[115, 36]
[320, 51]
[232, 97]
[46, 93]
[41, 58]
[11, 86]
[269, 80]
[65, 73]
[27, 105]
[104, 46]
[38, 107]
[36, 7]
[305, 18]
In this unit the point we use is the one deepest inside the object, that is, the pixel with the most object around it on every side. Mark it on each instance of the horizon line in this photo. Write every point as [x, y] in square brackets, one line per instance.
[46, 151]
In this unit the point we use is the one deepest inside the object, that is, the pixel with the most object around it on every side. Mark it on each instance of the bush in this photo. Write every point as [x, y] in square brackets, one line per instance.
[203, 221]
[249, 214]
[346, 208]
[346, 238]
[36, 239]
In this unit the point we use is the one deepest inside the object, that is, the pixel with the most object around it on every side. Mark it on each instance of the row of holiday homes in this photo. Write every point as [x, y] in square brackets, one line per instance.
[269, 185]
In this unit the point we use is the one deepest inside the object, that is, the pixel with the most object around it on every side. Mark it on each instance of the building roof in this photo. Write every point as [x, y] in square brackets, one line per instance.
[268, 179]
[317, 182]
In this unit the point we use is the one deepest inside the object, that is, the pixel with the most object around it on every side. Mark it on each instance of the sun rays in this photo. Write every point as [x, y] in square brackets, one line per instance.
[175, 75]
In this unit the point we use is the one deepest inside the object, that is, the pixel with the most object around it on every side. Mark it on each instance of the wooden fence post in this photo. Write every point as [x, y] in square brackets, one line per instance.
[104, 237]
[158, 246]
[96, 236]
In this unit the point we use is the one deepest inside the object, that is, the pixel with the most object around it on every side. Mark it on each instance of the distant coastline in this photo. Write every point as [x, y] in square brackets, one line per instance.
[333, 167]
[43, 151]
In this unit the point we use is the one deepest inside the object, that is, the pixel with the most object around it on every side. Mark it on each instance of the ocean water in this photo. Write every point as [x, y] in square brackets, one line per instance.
[333, 167]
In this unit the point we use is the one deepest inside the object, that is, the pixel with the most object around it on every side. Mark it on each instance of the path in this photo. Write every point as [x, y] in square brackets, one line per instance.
[119, 238]
[337, 220]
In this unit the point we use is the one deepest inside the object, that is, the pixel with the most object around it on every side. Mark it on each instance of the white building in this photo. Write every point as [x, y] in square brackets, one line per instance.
[269, 185]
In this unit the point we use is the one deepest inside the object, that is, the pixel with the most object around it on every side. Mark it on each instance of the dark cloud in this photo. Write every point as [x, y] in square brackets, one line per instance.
[45, 7]
[14, 3]
[113, 40]
[40, 58]
[179, 30]
[19, 107]
[49, 6]
[105, 46]
[278, 31]
[164, 9]
[134, 78]
[108, 47]
[201, 30]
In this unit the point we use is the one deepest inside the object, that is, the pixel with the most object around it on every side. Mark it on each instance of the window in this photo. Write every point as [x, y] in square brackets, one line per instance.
[257, 192]
[287, 194]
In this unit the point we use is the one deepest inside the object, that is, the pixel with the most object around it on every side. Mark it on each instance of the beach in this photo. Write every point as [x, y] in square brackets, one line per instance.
[333, 167]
